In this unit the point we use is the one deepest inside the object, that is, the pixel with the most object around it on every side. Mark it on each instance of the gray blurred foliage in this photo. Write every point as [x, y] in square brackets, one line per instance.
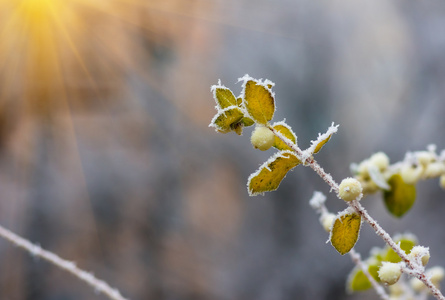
[130, 182]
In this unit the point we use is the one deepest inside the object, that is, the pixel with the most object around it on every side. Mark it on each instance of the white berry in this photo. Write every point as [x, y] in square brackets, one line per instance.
[349, 189]
[389, 273]
[262, 138]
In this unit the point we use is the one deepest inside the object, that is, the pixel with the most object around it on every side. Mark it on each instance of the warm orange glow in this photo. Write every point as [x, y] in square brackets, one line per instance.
[51, 49]
[30, 49]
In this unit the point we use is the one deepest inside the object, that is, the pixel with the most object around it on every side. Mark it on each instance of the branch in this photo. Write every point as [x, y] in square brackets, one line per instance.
[311, 162]
[377, 287]
[35, 250]
[317, 202]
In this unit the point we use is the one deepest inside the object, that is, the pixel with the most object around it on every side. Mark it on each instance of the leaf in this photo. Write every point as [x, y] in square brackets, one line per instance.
[247, 122]
[321, 144]
[345, 231]
[407, 242]
[259, 101]
[401, 197]
[374, 271]
[269, 176]
[225, 120]
[322, 139]
[223, 96]
[285, 130]
[357, 280]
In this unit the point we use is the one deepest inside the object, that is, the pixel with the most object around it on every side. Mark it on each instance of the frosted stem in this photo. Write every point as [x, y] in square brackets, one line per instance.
[35, 250]
[310, 161]
[318, 203]
[378, 288]
[288, 142]
[416, 271]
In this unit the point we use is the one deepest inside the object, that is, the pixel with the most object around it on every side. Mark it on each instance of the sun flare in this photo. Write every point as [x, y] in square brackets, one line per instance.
[52, 49]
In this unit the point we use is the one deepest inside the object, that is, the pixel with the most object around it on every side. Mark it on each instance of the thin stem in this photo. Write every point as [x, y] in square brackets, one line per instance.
[35, 250]
[377, 287]
[308, 160]
[318, 203]
[415, 270]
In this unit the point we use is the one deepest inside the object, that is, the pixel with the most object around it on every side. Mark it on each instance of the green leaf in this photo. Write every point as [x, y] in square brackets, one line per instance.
[407, 242]
[226, 120]
[345, 231]
[259, 101]
[223, 96]
[401, 197]
[247, 122]
[285, 130]
[357, 280]
[269, 176]
[374, 271]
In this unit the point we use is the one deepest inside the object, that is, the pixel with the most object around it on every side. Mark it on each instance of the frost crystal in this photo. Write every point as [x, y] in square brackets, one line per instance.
[317, 200]
[265, 83]
[284, 124]
[420, 254]
[321, 139]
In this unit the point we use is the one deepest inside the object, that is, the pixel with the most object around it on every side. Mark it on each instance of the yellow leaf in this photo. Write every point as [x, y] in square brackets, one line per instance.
[259, 101]
[322, 139]
[400, 198]
[321, 144]
[285, 130]
[345, 231]
[226, 120]
[269, 176]
[223, 96]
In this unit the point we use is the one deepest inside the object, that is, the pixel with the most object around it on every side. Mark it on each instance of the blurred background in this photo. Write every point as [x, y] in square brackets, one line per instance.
[106, 157]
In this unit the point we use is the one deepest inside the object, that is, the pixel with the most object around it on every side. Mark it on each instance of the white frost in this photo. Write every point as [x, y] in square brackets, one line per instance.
[283, 123]
[266, 166]
[317, 200]
[321, 137]
[261, 82]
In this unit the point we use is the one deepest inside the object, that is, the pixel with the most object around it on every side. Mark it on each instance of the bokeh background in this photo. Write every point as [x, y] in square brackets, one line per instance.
[106, 157]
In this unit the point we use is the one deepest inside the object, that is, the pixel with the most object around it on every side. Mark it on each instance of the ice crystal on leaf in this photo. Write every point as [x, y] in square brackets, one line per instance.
[256, 105]
[345, 230]
[269, 176]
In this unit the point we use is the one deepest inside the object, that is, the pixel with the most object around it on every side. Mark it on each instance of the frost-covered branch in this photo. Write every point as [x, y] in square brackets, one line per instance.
[317, 202]
[35, 250]
[355, 256]
[415, 269]
[311, 162]
[256, 106]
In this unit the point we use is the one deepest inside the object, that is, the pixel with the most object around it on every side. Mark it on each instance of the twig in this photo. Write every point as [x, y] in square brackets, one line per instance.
[35, 250]
[311, 162]
[318, 203]
[377, 287]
